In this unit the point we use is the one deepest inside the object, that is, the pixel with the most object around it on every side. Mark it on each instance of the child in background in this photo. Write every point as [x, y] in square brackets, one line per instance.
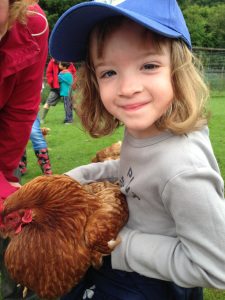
[53, 82]
[65, 82]
[138, 70]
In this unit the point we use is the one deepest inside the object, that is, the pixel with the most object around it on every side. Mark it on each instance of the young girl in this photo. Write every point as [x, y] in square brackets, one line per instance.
[138, 70]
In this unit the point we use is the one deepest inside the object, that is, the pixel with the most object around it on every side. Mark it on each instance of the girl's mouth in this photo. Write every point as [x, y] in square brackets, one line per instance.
[133, 107]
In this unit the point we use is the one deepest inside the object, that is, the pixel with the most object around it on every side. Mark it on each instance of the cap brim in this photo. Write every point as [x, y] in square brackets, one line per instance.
[68, 40]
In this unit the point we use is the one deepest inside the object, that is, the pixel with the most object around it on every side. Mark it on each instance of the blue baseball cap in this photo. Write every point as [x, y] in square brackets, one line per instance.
[68, 40]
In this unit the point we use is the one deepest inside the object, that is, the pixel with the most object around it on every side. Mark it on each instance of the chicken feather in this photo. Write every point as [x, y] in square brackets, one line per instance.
[108, 153]
[71, 229]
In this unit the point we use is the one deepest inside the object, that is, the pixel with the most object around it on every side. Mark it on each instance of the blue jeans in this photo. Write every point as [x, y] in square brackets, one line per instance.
[36, 136]
[109, 284]
[68, 109]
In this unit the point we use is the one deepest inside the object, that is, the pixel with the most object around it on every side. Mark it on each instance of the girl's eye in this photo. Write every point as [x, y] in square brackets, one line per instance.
[108, 74]
[150, 66]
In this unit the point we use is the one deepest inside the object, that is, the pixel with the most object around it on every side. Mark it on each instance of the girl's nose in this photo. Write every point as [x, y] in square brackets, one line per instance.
[129, 86]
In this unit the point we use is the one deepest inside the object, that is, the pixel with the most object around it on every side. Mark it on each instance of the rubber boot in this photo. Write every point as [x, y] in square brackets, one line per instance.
[44, 161]
[44, 113]
[23, 164]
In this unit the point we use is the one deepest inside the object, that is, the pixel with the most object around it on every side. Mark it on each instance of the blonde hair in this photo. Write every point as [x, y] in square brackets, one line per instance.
[187, 111]
[17, 12]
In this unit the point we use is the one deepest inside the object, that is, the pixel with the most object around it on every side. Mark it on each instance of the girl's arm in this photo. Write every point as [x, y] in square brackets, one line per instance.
[195, 256]
[107, 170]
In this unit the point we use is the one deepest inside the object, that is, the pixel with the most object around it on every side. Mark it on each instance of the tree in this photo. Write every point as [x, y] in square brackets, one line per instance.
[186, 3]
[216, 26]
[206, 25]
[197, 22]
[55, 8]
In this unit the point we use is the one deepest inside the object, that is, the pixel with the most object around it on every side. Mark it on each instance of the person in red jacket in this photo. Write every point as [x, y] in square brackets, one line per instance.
[23, 53]
[52, 79]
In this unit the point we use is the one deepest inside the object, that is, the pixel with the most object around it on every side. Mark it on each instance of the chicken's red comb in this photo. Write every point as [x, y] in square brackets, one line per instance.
[27, 218]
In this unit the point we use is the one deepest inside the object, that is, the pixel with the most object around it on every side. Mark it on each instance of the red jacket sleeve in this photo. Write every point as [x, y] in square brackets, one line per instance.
[6, 187]
[17, 117]
[49, 73]
[72, 70]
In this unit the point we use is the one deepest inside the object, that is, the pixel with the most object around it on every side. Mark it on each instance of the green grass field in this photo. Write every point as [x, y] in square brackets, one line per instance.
[69, 147]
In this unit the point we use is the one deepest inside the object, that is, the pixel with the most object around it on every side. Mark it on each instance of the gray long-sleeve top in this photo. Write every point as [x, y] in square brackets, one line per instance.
[175, 193]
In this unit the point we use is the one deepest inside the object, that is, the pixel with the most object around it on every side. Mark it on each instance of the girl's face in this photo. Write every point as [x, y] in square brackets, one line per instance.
[134, 78]
[4, 14]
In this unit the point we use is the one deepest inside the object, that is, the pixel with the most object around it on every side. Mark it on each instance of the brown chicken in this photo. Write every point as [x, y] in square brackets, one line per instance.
[111, 152]
[58, 229]
[45, 131]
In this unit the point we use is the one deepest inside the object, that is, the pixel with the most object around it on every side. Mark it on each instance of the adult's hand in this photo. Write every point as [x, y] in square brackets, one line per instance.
[15, 184]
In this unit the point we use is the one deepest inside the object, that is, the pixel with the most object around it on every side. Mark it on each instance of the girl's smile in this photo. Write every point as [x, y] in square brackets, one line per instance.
[133, 107]
[134, 78]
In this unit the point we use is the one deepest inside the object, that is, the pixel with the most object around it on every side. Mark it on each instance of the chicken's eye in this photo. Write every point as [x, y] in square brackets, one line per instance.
[12, 219]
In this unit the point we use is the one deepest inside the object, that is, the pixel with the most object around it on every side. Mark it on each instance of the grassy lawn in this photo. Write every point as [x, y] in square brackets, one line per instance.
[69, 147]
[217, 129]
